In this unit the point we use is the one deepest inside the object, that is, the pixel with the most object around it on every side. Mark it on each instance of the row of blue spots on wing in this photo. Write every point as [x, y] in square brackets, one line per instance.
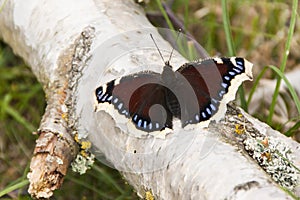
[236, 70]
[146, 125]
[106, 96]
[100, 94]
[205, 113]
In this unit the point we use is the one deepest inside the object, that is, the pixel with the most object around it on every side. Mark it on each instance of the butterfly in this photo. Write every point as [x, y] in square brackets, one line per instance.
[194, 94]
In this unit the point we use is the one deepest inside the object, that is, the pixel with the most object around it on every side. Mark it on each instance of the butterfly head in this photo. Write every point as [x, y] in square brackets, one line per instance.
[168, 76]
[167, 64]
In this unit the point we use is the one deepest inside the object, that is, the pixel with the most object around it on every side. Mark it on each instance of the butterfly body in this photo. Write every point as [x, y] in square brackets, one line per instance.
[196, 93]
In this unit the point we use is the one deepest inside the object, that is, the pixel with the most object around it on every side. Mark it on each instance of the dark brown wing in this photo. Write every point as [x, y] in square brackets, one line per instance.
[140, 97]
[210, 80]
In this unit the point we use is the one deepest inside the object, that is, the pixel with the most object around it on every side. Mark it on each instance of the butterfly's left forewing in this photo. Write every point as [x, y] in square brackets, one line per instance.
[140, 98]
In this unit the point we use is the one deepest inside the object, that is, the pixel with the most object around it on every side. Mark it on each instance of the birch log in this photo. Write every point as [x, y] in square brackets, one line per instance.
[73, 47]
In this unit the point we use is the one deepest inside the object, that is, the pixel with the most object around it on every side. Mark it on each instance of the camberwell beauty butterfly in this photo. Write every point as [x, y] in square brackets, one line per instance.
[195, 94]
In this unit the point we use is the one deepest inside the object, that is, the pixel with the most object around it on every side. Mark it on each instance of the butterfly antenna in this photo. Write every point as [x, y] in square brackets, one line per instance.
[179, 31]
[157, 48]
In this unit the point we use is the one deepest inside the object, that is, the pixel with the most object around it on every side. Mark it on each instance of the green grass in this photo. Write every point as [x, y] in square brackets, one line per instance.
[284, 60]
[251, 29]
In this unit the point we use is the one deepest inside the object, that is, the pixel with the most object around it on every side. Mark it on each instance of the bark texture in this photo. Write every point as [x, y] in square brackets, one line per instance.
[74, 47]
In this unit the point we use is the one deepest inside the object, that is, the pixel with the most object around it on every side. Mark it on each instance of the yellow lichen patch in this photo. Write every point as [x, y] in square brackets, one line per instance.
[86, 145]
[239, 129]
[240, 115]
[76, 138]
[83, 153]
[149, 196]
[267, 155]
[64, 116]
[265, 142]
[61, 91]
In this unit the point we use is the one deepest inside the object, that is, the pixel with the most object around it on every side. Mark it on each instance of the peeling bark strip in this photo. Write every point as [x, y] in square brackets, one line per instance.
[56, 148]
[80, 58]
[44, 34]
[49, 164]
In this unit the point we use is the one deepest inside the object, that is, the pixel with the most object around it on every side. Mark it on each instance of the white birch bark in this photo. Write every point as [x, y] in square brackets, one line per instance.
[209, 164]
